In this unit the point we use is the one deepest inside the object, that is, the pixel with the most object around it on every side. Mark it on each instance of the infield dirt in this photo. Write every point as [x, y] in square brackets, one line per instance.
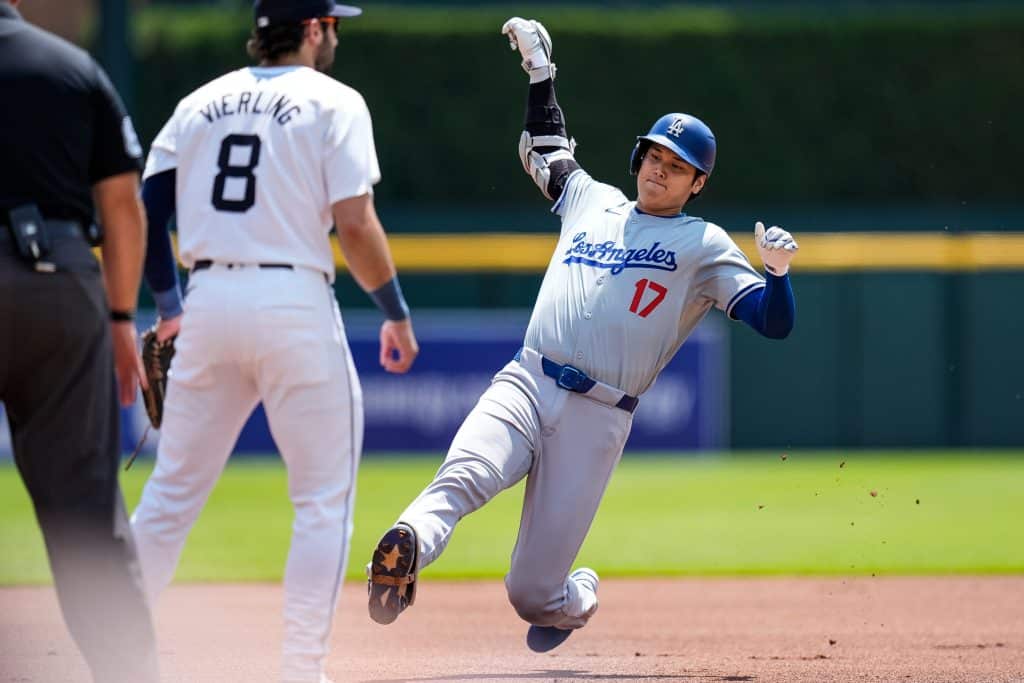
[769, 630]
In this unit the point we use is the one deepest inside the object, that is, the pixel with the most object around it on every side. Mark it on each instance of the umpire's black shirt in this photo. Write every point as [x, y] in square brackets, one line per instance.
[63, 128]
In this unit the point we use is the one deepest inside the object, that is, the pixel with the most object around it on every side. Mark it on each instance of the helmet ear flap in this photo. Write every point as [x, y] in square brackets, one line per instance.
[637, 157]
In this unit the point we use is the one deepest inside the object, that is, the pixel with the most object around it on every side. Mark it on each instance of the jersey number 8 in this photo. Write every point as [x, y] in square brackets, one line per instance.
[239, 156]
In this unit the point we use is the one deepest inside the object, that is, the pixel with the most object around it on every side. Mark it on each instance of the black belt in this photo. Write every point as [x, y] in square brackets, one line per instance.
[54, 229]
[575, 380]
[203, 264]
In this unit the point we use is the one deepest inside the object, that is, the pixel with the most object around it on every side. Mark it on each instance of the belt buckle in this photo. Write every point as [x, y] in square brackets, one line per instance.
[570, 378]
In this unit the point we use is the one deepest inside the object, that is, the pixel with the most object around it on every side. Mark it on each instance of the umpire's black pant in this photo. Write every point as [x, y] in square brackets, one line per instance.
[57, 383]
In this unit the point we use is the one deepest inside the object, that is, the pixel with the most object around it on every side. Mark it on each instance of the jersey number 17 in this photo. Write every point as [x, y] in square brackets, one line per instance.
[642, 287]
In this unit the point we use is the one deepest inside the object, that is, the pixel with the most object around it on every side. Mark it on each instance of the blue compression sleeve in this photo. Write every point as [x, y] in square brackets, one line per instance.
[161, 269]
[770, 310]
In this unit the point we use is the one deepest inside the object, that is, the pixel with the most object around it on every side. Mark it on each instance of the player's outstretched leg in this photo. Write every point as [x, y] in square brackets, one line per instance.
[392, 574]
[492, 451]
[545, 638]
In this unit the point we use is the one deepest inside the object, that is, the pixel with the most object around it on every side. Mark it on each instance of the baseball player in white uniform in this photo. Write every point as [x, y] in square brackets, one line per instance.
[257, 165]
[626, 285]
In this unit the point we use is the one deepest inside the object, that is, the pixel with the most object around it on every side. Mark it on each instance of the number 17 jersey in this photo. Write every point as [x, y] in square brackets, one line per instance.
[261, 155]
[624, 289]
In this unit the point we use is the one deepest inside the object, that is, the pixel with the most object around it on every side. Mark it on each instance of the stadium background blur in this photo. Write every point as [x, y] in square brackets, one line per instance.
[884, 136]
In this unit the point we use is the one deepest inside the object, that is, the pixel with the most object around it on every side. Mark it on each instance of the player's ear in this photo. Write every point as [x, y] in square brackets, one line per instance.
[310, 34]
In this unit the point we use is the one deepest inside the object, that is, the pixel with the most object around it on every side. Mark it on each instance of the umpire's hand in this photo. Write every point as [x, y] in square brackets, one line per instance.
[398, 347]
[127, 363]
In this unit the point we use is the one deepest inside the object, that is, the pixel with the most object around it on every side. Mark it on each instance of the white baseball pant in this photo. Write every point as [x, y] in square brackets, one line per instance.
[276, 335]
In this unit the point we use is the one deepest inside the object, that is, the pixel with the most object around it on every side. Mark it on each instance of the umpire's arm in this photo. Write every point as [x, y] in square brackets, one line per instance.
[120, 212]
[124, 244]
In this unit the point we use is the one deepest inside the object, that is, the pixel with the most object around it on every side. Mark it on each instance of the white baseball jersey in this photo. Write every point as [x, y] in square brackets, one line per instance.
[233, 208]
[625, 289]
[261, 155]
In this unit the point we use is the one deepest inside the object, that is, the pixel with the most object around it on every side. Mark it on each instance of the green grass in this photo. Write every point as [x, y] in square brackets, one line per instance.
[948, 512]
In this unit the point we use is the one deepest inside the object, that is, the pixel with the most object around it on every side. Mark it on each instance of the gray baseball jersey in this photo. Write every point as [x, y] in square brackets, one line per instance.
[622, 292]
[625, 289]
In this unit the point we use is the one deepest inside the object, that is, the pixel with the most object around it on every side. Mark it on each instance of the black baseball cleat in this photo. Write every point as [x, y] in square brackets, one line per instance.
[392, 574]
[545, 638]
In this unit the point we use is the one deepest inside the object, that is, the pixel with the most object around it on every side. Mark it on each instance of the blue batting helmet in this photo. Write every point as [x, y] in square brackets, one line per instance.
[686, 135]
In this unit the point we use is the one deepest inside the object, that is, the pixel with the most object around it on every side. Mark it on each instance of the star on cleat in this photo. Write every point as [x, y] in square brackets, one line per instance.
[390, 560]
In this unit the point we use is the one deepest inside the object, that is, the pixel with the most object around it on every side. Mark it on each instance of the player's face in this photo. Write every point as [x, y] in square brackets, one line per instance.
[665, 182]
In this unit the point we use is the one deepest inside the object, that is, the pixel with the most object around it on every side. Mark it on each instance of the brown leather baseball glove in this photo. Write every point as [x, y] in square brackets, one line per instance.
[156, 361]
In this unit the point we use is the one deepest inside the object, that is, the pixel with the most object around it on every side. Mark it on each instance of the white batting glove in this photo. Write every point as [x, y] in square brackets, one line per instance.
[776, 246]
[534, 44]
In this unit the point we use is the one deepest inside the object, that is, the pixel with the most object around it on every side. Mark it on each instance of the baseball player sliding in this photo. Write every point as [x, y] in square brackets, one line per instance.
[258, 164]
[627, 284]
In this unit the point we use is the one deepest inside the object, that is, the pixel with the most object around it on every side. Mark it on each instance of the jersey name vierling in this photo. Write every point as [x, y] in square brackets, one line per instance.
[275, 105]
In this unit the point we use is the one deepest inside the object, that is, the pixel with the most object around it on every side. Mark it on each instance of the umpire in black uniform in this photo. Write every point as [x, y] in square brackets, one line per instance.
[67, 146]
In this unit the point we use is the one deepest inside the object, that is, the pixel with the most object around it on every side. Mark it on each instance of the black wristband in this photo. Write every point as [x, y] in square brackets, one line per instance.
[122, 316]
[390, 301]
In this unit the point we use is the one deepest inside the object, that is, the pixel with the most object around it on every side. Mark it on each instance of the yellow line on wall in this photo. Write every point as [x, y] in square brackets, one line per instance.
[819, 252]
[487, 252]
[823, 252]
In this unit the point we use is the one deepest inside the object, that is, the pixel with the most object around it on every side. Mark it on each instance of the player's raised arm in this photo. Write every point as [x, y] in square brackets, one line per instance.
[544, 147]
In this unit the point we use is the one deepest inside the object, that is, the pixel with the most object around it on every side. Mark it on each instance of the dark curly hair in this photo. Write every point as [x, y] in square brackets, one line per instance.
[273, 42]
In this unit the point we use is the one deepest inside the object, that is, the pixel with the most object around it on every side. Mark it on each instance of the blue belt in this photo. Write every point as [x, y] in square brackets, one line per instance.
[573, 379]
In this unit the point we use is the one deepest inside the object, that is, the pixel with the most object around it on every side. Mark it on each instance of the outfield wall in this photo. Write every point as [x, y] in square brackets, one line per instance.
[460, 351]
[911, 359]
[902, 340]
[878, 359]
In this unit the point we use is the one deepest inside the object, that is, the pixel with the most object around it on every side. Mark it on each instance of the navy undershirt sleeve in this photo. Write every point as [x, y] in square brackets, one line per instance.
[161, 269]
[770, 310]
